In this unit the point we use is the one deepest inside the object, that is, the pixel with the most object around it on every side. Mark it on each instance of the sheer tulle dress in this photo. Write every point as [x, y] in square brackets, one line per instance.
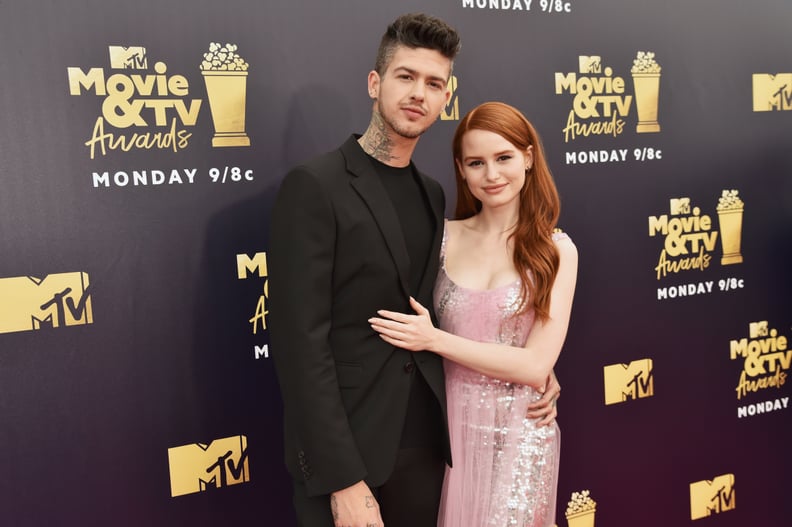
[505, 469]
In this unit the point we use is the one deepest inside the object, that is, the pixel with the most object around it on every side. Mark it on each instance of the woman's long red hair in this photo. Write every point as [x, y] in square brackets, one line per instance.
[535, 254]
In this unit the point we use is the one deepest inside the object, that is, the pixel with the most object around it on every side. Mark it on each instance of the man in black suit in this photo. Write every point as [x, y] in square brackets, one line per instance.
[356, 230]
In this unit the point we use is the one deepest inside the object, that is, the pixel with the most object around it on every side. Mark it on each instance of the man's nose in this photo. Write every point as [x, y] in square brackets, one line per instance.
[418, 91]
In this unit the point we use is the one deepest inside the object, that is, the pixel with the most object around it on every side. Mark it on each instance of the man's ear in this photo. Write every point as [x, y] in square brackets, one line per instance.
[451, 86]
[373, 84]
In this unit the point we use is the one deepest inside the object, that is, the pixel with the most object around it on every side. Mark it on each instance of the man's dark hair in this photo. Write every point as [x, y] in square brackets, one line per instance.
[417, 30]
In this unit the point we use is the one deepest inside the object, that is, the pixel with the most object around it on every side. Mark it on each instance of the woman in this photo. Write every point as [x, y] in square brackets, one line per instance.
[503, 299]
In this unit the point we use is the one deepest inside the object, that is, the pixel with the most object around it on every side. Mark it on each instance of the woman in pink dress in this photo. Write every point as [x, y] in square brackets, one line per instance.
[503, 299]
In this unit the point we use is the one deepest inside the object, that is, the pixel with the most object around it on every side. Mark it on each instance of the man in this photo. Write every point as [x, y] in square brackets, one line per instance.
[353, 231]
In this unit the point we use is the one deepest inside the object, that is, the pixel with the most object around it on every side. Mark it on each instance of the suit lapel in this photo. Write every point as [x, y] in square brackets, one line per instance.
[368, 186]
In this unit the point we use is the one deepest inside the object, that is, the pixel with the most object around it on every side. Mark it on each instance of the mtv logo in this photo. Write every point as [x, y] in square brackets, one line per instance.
[451, 111]
[199, 467]
[628, 381]
[590, 64]
[30, 303]
[128, 57]
[710, 496]
[680, 206]
[758, 329]
[257, 264]
[772, 92]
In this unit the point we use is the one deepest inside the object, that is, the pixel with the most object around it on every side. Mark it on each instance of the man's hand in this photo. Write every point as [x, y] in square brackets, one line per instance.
[355, 506]
[545, 408]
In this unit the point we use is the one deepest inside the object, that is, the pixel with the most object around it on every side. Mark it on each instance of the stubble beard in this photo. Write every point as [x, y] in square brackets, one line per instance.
[397, 128]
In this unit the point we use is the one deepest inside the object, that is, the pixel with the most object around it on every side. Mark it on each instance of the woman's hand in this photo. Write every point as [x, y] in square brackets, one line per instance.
[409, 332]
[546, 409]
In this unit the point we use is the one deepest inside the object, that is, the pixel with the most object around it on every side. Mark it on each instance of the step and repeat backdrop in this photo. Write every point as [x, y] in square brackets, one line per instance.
[142, 143]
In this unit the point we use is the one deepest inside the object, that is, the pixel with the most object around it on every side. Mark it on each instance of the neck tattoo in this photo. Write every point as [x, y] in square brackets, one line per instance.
[376, 142]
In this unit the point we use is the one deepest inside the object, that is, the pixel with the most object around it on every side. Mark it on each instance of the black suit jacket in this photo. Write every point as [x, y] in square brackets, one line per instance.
[336, 256]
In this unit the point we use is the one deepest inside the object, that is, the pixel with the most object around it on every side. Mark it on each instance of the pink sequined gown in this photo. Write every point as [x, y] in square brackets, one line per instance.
[505, 469]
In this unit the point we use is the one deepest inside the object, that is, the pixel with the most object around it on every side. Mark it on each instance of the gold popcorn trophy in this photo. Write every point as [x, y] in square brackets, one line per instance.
[730, 215]
[581, 510]
[646, 79]
[225, 74]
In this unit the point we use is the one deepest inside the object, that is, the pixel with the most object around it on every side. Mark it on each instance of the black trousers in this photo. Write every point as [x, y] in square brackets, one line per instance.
[410, 497]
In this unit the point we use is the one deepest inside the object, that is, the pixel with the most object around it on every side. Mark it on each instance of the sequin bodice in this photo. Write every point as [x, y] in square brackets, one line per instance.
[505, 468]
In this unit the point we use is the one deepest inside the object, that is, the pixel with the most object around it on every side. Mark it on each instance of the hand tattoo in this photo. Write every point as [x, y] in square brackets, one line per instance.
[370, 502]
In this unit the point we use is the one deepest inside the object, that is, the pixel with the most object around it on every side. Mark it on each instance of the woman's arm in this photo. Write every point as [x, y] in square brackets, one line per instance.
[529, 365]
